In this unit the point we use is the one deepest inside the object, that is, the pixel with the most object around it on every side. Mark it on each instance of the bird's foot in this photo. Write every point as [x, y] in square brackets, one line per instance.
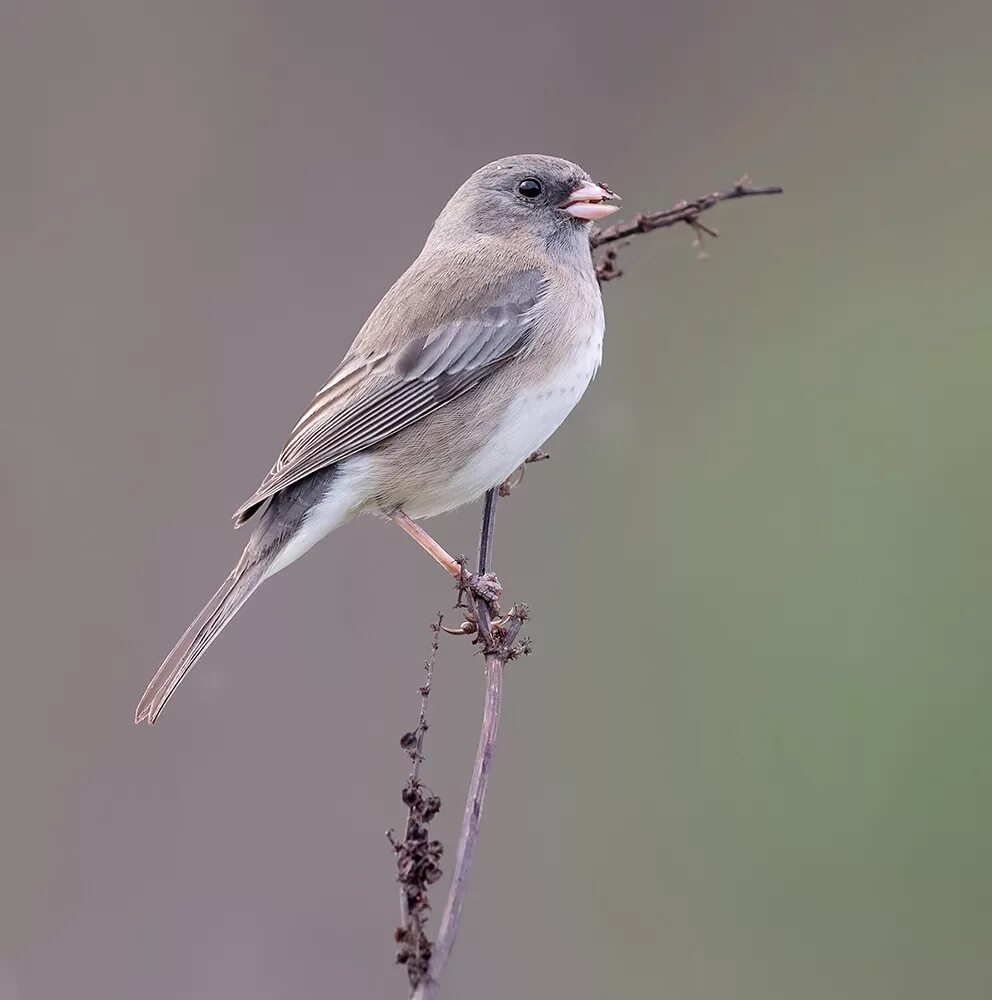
[487, 587]
[482, 586]
[509, 485]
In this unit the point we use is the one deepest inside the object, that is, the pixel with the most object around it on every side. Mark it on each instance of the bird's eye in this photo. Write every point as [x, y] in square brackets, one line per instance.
[530, 187]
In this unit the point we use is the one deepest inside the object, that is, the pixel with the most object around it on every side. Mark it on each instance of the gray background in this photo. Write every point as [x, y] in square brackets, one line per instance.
[750, 757]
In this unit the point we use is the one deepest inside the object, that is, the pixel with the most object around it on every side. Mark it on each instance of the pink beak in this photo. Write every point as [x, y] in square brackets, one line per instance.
[588, 202]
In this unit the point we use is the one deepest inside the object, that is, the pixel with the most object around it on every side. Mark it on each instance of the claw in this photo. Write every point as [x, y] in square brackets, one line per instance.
[517, 612]
[505, 620]
[466, 628]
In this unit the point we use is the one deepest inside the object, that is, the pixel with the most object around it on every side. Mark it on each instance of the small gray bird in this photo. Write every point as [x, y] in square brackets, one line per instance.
[468, 364]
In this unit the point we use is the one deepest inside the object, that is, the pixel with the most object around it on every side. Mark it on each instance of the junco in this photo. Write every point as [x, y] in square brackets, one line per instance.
[468, 364]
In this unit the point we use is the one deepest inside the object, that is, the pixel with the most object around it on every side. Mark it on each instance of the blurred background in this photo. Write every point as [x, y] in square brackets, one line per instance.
[750, 757]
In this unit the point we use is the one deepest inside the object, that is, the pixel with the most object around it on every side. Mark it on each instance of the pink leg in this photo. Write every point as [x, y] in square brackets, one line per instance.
[424, 540]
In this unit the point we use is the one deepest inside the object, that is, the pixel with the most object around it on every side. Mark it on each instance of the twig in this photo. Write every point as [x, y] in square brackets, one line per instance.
[499, 641]
[417, 856]
[486, 531]
[685, 211]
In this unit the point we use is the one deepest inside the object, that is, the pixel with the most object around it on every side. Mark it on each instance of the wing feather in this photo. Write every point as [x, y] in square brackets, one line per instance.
[370, 398]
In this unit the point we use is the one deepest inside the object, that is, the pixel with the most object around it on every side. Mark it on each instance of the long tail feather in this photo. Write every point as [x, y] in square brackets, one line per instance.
[294, 520]
[207, 625]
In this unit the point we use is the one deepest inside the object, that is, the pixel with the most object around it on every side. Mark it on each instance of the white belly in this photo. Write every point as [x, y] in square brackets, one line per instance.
[525, 426]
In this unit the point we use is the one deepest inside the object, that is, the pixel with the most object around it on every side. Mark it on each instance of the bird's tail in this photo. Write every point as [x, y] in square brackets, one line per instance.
[208, 624]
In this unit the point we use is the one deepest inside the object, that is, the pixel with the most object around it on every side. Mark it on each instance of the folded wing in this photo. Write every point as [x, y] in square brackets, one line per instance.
[372, 396]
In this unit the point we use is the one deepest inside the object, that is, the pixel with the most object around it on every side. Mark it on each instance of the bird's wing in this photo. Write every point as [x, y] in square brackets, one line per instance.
[372, 396]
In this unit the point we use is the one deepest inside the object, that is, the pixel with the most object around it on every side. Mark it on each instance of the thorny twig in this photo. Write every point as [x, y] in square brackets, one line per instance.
[498, 638]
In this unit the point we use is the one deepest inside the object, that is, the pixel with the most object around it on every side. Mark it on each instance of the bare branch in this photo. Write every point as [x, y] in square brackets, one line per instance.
[486, 531]
[498, 637]
[646, 222]
[470, 829]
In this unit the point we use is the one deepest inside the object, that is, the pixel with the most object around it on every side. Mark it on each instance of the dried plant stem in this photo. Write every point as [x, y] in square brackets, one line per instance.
[498, 637]
[487, 530]
[684, 211]
[470, 830]
[498, 645]
[416, 855]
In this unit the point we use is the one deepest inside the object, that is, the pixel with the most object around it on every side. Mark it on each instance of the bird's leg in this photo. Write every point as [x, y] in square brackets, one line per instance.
[427, 543]
[486, 586]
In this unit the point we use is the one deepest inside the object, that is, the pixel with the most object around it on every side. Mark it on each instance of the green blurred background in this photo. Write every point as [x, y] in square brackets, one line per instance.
[750, 757]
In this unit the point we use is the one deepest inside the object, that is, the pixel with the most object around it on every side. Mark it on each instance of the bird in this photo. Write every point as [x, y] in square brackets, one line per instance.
[468, 364]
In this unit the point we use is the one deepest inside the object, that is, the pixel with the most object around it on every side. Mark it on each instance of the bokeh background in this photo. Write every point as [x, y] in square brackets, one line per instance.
[751, 756]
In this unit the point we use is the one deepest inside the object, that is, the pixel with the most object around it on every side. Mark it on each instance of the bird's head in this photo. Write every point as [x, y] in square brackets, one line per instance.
[536, 196]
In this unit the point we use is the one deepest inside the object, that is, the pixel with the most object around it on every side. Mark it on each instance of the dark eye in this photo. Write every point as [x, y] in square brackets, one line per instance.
[530, 187]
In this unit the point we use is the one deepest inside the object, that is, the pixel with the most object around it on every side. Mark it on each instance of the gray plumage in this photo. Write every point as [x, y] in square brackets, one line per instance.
[399, 387]
[469, 362]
